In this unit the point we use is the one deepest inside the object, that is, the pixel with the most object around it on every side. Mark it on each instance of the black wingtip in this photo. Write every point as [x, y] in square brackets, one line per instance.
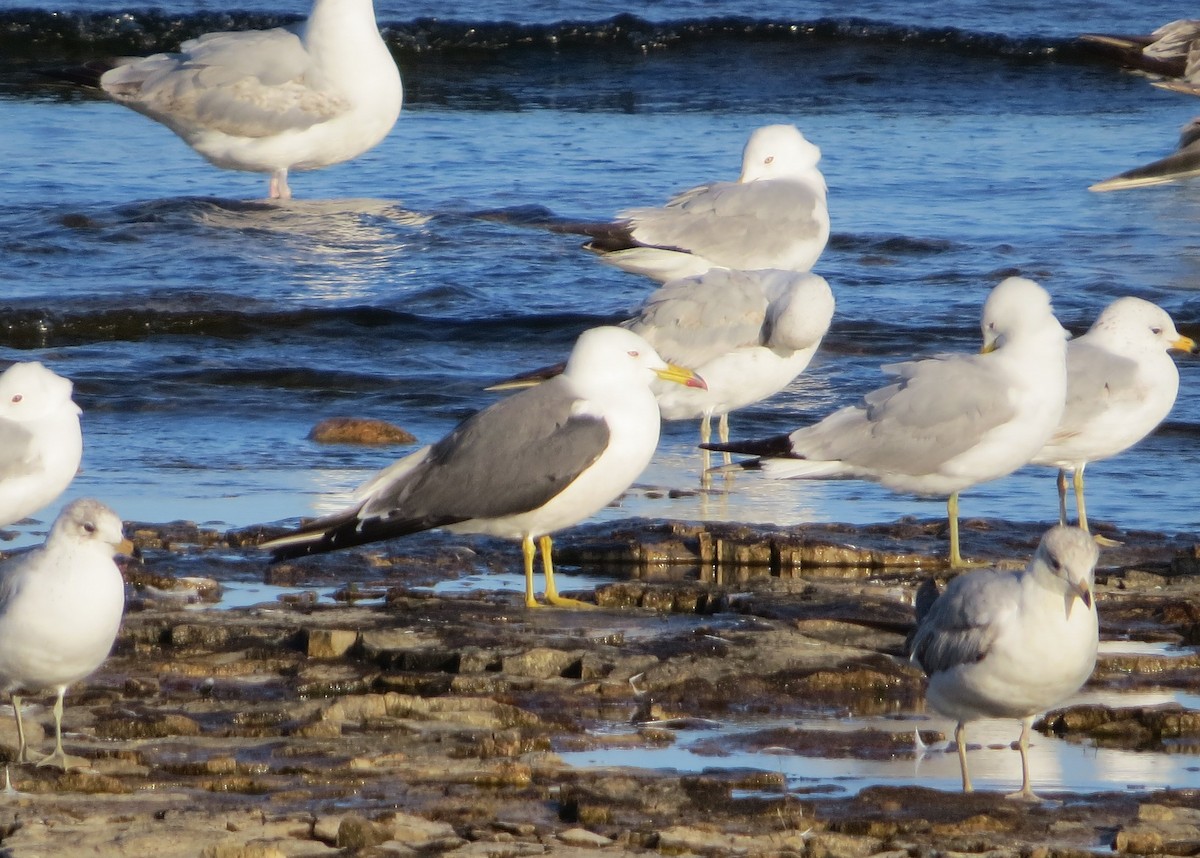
[777, 447]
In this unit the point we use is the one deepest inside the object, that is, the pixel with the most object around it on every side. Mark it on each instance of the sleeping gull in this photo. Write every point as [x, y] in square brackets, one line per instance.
[1011, 644]
[946, 423]
[268, 101]
[773, 216]
[747, 333]
[531, 464]
[1121, 384]
[60, 609]
[40, 440]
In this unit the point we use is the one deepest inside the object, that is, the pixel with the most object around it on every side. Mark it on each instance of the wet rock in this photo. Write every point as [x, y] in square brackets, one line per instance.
[584, 839]
[356, 430]
[355, 832]
[330, 643]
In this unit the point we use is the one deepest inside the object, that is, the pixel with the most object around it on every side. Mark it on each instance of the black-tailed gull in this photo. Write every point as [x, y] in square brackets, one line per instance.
[1121, 384]
[269, 101]
[40, 439]
[60, 609]
[1011, 644]
[773, 216]
[531, 464]
[747, 333]
[946, 423]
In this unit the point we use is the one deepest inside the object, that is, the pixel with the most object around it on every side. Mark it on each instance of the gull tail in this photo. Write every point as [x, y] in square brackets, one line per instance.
[346, 530]
[529, 379]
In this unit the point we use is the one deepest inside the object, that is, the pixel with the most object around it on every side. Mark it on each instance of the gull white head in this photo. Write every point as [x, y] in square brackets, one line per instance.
[1067, 556]
[777, 152]
[89, 523]
[801, 316]
[1140, 326]
[1015, 309]
[621, 356]
[29, 392]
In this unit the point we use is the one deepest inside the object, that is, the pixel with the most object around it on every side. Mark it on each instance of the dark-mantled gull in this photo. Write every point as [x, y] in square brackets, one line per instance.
[40, 439]
[773, 216]
[60, 609]
[747, 333]
[946, 423]
[529, 465]
[269, 101]
[1121, 384]
[1011, 644]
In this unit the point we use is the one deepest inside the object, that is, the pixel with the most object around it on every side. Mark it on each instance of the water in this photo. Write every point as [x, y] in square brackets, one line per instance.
[207, 331]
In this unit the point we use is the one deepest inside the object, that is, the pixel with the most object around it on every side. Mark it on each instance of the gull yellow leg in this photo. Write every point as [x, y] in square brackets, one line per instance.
[528, 552]
[956, 558]
[58, 754]
[551, 590]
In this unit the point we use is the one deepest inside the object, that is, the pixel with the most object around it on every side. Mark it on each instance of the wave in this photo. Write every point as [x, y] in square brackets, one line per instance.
[36, 36]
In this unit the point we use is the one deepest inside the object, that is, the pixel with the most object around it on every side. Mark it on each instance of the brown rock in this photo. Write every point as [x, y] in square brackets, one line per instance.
[355, 430]
[330, 643]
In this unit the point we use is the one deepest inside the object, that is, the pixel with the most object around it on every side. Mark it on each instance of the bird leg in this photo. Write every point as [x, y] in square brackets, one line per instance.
[960, 739]
[279, 185]
[706, 461]
[1026, 792]
[58, 754]
[956, 558]
[551, 590]
[723, 434]
[1079, 508]
[22, 748]
[1062, 497]
[528, 552]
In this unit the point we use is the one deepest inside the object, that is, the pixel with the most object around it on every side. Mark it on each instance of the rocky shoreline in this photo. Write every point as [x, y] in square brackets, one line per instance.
[393, 720]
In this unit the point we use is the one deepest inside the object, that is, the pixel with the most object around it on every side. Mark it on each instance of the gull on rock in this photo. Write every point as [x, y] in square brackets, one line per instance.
[60, 608]
[40, 439]
[1002, 644]
[945, 423]
[268, 101]
[1121, 384]
[529, 465]
[773, 216]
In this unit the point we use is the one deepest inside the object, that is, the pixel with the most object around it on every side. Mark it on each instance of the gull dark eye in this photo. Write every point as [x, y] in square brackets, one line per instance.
[17, 398]
[768, 159]
[1156, 331]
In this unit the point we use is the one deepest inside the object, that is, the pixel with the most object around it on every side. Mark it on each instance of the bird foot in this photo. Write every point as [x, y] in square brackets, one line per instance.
[565, 602]
[64, 760]
[1105, 542]
[962, 563]
[1028, 796]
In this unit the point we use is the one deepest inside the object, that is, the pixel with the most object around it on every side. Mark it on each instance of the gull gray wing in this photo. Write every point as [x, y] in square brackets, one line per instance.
[1097, 379]
[697, 319]
[510, 458]
[15, 441]
[938, 409]
[961, 626]
[254, 83]
[735, 225]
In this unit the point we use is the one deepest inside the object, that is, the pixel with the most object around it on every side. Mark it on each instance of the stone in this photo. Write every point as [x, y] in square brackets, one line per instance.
[330, 643]
[358, 430]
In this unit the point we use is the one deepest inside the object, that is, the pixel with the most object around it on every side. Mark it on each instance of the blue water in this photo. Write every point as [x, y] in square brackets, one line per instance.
[207, 331]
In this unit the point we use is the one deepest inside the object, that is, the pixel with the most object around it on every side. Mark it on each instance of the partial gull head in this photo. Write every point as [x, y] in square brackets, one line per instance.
[40, 439]
[945, 423]
[534, 463]
[1012, 644]
[269, 101]
[1121, 383]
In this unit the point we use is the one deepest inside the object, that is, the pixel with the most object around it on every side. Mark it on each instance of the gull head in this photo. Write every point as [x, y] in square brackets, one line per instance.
[776, 152]
[1142, 326]
[89, 522]
[1017, 308]
[1069, 555]
[618, 355]
[29, 391]
[801, 309]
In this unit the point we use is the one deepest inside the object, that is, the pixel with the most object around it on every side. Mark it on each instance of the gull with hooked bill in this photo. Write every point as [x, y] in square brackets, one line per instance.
[40, 439]
[60, 608]
[1003, 644]
[1121, 384]
[773, 216]
[529, 465]
[268, 101]
[945, 423]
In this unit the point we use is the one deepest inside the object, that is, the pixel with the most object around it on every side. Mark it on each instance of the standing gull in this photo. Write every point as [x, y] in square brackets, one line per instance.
[747, 333]
[947, 423]
[773, 216]
[1011, 644]
[1121, 384]
[531, 464]
[269, 101]
[40, 440]
[60, 608]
